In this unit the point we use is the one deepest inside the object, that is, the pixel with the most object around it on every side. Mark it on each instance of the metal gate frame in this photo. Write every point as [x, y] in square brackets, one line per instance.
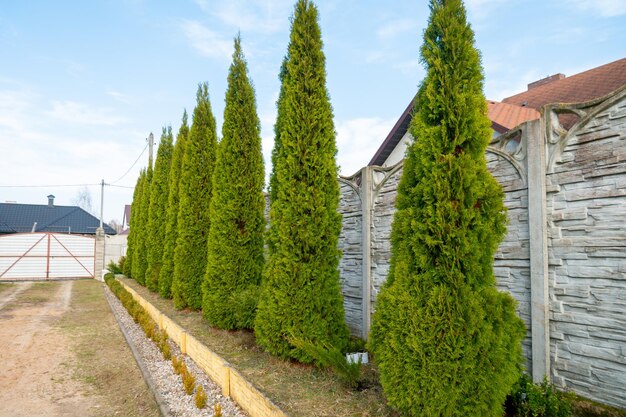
[67, 253]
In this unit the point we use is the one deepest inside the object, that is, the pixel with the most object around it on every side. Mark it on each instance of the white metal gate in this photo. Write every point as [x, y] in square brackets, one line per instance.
[41, 256]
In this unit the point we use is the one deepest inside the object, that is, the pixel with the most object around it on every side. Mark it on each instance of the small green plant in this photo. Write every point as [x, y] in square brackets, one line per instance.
[217, 410]
[114, 268]
[176, 364]
[536, 400]
[355, 344]
[200, 398]
[165, 350]
[121, 264]
[331, 357]
[189, 381]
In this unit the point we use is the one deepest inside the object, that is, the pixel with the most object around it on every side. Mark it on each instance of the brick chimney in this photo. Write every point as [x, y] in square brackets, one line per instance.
[50, 200]
[546, 80]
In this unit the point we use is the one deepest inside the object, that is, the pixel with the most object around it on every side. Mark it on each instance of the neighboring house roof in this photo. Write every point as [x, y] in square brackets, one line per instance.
[581, 87]
[5, 228]
[505, 117]
[522, 107]
[126, 218]
[49, 218]
[394, 137]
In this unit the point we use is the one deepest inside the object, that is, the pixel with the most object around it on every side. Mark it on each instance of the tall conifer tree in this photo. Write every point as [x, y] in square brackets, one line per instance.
[158, 207]
[446, 341]
[273, 188]
[301, 293]
[235, 244]
[140, 254]
[171, 231]
[271, 235]
[135, 224]
[130, 246]
[195, 190]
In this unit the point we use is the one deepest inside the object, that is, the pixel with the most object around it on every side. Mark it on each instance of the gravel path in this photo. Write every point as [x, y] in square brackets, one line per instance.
[168, 384]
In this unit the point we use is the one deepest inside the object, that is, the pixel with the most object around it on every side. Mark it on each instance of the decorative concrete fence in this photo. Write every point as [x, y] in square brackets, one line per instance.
[564, 257]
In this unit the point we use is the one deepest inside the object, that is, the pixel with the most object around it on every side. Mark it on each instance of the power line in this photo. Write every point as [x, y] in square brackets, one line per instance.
[118, 186]
[131, 167]
[83, 185]
[64, 185]
[47, 185]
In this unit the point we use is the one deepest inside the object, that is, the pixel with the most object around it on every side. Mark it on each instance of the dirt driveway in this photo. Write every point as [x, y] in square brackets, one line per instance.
[62, 354]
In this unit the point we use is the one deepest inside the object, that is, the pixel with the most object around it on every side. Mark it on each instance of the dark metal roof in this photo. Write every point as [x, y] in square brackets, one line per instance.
[63, 219]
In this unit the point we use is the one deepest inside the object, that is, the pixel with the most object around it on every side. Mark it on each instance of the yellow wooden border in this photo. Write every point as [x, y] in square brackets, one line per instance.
[232, 383]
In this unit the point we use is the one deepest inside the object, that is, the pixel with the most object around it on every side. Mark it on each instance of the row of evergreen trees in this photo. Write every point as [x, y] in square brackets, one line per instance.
[198, 226]
[446, 341]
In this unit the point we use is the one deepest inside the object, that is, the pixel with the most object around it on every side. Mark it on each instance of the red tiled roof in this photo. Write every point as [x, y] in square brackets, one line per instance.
[506, 116]
[585, 86]
[522, 107]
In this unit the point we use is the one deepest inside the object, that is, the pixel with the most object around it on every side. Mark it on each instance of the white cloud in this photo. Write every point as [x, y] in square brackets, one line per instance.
[605, 8]
[14, 104]
[479, 10]
[121, 97]
[203, 4]
[358, 139]
[396, 27]
[60, 147]
[252, 15]
[567, 36]
[83, 114]
[409, 67]
[205, 41]
[377, 57]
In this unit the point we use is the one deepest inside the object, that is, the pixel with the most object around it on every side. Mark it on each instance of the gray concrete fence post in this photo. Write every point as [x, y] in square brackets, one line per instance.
[538, 224]
[99, 259]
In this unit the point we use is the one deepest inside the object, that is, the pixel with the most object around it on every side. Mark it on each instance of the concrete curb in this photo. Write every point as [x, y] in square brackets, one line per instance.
[163, 407]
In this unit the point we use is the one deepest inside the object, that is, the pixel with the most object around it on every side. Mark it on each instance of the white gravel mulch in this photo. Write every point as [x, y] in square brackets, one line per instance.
[168, 384]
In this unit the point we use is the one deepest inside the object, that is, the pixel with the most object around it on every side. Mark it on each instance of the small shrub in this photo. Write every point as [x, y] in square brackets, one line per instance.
[182, 368]
[331, 357]
[114, 268]
[536, 400]
[176, 364]
[189, 381]
[165, 350]
[121, 264]
[217, 410]
[355, 344]
[200, 398]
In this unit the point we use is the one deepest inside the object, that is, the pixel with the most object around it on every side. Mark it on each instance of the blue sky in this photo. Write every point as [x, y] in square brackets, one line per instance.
[82, 84]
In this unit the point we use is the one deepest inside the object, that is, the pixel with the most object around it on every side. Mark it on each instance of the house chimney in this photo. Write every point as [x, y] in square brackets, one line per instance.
[546, 80]
[50, 200]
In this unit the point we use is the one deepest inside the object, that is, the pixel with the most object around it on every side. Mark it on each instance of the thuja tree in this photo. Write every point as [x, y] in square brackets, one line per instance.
[235, 243]
[134, 208]
[273, 186]
[135, 223]
[301, 293]
[446, 341]
[140, 252]
[171, 231]
[195, 190]
[271, 234]
[158, 209]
